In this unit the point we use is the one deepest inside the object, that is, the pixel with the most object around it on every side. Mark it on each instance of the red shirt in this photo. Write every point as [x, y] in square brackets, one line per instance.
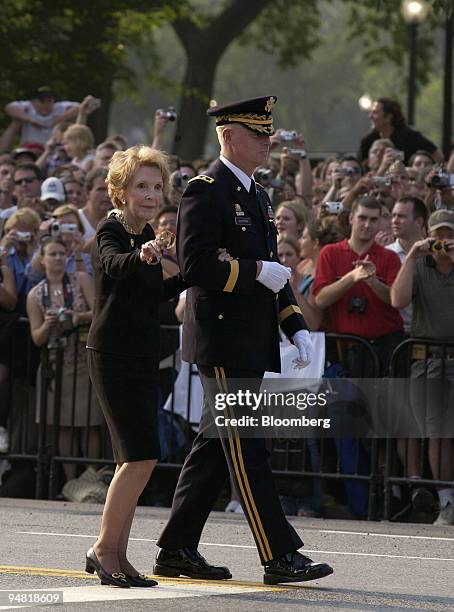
[379, 319]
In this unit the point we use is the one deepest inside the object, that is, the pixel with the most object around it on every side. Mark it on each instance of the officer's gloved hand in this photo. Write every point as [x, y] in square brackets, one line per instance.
[302, 341]
[273, 275]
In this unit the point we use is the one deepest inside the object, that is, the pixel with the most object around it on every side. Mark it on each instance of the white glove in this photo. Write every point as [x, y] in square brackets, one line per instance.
[273, 275]
[302, 341]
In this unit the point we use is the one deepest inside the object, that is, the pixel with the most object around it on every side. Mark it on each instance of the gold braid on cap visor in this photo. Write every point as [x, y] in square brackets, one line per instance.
[258, 123]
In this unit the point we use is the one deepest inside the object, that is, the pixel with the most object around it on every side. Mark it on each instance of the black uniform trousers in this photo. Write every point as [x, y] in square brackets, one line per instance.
[205, 472]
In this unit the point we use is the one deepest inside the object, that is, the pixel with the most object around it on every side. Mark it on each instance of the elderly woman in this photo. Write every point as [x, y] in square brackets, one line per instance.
[123, 345]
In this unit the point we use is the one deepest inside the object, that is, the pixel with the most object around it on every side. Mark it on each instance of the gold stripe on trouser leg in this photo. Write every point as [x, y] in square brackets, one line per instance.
[246, 481]
[239, 478]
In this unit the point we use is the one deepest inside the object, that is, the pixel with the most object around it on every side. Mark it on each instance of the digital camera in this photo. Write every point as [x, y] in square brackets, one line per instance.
[442, 180]
[333, 208]
[381, 181]
[438, 246]
[24, 236]
[301, 153]
[288, 135]
[357, 304]
[180, 180]
[263, 176]
[54, 229]
[170, 113]
[65, 320]
[69, 228]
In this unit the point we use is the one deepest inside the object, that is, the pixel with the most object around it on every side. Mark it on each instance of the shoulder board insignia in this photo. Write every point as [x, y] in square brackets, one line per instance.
[259, 185]
[202, 177]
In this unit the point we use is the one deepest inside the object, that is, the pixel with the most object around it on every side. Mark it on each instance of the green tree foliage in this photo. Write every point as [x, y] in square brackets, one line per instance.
[384, 33]
[76, 47]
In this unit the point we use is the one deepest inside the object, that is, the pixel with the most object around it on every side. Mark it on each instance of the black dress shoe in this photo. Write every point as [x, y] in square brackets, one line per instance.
[188, 562]
[140, 581]
[92, 565]
[294, 567]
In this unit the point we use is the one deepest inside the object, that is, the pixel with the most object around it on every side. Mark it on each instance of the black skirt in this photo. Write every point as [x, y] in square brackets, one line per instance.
[128, 392]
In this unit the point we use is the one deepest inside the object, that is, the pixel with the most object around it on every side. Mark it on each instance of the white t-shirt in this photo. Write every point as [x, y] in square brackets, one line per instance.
[5, 213]
[405, 313]
[33, 133]
[83, 162]
[89, 230]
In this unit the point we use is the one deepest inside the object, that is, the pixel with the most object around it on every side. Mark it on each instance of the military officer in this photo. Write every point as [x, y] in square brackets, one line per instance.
[230, 330]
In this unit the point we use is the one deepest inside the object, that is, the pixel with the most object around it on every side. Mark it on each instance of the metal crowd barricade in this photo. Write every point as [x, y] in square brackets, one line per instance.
[22, 428]
[409, 352]
[290, 457]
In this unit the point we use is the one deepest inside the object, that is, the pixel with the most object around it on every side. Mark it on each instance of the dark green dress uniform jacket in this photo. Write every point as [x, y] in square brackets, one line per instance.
[231, 320]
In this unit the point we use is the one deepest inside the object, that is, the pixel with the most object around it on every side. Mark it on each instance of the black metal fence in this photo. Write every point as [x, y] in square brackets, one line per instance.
[56, 426]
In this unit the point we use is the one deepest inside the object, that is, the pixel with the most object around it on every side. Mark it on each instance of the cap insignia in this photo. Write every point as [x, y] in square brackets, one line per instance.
[269, 104]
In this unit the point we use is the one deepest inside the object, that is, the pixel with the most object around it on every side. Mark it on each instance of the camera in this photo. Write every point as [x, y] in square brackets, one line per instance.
[301, 153]
[66, 327]
[94, 104]
[398, 155]
[65, 320]
[170, 113]
[442, 179]
[346, 171]
[54, 229]
[357, 304]
[438, 246]
[381, 181]
[180, 180]
[288, 135]
[333, 208]
[69, 228]
[24, 236]
[263, 176]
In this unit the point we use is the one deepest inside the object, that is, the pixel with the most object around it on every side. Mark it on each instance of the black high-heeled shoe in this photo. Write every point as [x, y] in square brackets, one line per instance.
[93, 565]
[140, 581]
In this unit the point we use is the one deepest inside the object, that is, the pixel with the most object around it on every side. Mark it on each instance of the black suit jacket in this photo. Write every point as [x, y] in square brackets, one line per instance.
[231, 320]
[127, 293]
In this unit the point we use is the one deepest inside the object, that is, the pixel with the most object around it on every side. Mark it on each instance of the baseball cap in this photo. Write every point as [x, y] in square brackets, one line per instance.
[441, 218]
[34, 149]
[52, 188]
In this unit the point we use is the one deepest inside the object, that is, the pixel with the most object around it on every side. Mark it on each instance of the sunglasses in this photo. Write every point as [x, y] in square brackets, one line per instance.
[26, 179]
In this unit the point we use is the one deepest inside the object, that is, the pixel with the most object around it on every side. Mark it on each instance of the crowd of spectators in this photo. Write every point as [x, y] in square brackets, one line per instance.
[350, 227]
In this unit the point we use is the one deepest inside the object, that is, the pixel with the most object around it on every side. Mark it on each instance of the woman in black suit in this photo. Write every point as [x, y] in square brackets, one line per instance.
[123, 347]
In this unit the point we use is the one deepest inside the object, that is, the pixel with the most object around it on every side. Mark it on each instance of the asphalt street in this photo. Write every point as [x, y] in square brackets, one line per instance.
[378, 566]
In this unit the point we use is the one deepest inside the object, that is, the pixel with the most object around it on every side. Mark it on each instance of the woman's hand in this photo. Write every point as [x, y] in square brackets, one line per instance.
[151, 252]
[50, 320]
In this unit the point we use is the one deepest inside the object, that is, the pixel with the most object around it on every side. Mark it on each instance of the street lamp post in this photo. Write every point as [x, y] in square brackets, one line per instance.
[447, 87]
[414, 12]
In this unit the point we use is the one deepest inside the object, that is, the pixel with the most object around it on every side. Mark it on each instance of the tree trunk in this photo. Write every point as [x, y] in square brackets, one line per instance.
[98, 122]
[204, 47]
[192, 120]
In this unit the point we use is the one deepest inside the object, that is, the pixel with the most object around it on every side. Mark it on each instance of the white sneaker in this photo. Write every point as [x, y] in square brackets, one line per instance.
[446, 516]
[4, 440]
